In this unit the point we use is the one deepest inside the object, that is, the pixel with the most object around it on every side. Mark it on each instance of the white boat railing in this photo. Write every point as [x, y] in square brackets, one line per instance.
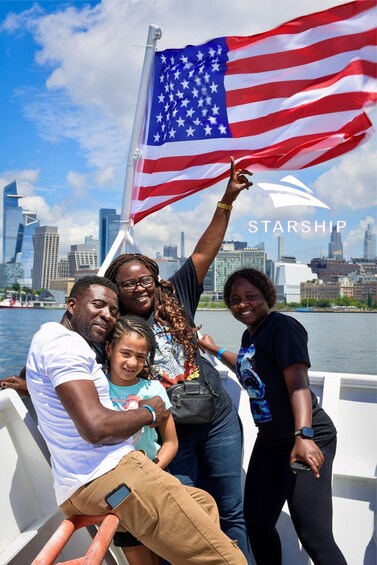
[29, 514]
[351, 401]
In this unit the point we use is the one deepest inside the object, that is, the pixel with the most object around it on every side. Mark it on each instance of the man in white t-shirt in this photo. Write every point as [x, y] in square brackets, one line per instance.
[89, 441]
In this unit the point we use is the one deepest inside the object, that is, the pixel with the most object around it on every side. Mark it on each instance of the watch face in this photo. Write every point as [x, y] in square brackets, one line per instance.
[307, 432]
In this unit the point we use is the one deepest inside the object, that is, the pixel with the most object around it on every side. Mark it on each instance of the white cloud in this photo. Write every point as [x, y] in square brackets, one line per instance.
[105, 177]
[351, 245]
[78, 182]
[351, 183]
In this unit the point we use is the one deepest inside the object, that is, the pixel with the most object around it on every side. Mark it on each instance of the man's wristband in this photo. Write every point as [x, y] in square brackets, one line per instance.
[151, 411]
[220, 353]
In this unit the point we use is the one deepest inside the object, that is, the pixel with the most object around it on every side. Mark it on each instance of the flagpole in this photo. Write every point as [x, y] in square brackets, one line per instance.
[134, 153]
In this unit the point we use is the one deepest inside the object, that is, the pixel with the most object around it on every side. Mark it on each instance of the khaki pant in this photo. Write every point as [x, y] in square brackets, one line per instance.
[178, 523]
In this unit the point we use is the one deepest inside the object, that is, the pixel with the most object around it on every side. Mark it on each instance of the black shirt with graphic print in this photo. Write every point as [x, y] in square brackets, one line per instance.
[279, 342]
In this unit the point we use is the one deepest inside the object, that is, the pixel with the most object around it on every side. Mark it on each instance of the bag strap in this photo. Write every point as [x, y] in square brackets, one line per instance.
[203, 375]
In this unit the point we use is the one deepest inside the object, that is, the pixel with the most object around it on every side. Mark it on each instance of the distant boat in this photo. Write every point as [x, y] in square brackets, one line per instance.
[12, 303]
[304, 309]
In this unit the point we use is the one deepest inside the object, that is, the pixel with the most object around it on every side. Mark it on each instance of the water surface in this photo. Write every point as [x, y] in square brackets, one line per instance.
[338, 342]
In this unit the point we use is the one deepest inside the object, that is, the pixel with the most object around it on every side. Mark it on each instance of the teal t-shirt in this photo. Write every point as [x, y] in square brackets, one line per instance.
[127, 398]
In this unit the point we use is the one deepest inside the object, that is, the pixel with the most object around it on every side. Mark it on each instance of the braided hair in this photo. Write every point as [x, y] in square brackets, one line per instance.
[168, 311]
[134, 324]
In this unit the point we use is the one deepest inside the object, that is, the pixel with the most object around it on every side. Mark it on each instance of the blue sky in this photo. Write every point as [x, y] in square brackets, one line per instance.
[70, 75]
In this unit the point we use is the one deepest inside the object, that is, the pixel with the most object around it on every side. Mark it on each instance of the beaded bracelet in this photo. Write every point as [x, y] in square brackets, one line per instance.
[151, 411]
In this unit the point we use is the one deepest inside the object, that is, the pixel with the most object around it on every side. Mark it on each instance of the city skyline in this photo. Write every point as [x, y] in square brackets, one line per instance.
[68, 117]
[50, 267]
[17, 237]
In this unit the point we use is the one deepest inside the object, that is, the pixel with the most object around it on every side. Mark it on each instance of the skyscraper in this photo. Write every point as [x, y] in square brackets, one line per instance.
[183, 258]
[92, 243]
[46, 254]
[280, 247]
[108, 230]
[369, 243]
[30, 223]
[170, 251]
[82, 257]
[12, 224]
[335, 245]
[229, 260]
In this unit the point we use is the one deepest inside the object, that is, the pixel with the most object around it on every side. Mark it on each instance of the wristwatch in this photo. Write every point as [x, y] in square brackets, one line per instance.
[306, 433]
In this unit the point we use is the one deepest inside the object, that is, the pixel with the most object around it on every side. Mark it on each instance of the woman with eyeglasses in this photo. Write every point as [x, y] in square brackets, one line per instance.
[209, 455]
[296, 441]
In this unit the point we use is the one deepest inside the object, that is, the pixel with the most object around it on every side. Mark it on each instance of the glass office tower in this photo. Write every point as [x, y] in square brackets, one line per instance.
[12, 224]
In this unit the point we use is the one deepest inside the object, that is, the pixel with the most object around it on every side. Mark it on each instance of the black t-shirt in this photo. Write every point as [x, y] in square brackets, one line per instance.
[278, 343]
[170, 358]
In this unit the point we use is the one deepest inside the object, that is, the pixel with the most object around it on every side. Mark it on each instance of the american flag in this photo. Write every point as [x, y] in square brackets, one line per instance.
[288, 98]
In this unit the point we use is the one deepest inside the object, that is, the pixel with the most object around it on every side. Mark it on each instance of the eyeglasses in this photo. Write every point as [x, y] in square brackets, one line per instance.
[130, 285]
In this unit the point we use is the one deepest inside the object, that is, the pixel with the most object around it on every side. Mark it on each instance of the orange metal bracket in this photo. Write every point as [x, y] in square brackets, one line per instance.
[97, 549]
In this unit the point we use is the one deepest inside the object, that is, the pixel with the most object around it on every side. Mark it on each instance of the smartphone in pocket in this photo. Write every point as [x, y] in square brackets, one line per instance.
[300, 466]
[117, 495]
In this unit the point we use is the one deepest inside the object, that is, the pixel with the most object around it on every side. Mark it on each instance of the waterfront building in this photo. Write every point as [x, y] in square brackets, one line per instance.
[368, 267]
[369, 243]
[50, 298]
[18, 229]
[12, 222]
[269, 268]
[46, 254]
[288, 279]
[30, 223]
[92, 243]
[183, 256]
[366, 291]
[274, 264]
[329, 270]
[234, 245]
[63, 284]
[168, 267]
[63, 268]
[346, 286]
[108, 230]
[170, 251]
[335, 244]
[209, 281]
[228, 260]
[316, 290]
[280, 247]
[82, 257]
[10, 273]
[82, 272]
[224, 264]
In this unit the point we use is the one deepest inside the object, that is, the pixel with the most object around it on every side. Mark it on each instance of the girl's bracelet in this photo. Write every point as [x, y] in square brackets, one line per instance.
[220, 353]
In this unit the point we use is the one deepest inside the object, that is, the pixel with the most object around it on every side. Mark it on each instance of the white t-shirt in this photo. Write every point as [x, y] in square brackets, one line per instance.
[128, 398]
[58, 355]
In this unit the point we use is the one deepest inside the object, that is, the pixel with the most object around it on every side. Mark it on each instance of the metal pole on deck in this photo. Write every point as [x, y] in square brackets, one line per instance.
[134, 153]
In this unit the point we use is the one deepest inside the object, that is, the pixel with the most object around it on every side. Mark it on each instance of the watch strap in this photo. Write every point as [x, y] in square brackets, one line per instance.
[305, 432]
